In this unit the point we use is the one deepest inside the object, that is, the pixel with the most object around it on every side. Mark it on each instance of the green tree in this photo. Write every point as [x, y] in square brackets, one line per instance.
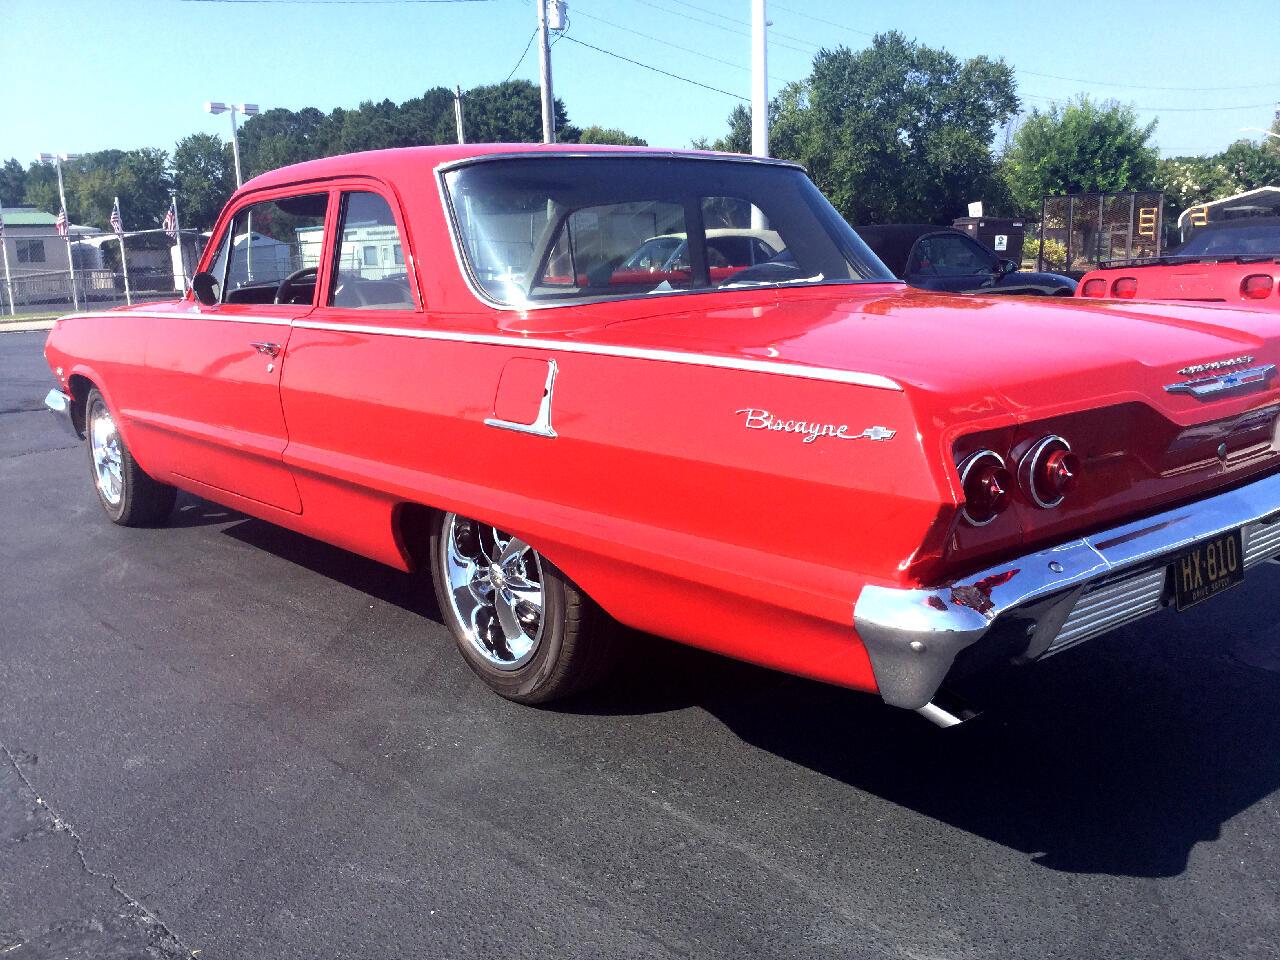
[896, 132]
[1252, 165]
[204, 176]
[508, 112]
[738, 139]
[598, 134]
[41, 187]
[1186, 181]
[1082, 146]
[140, 178]
[13, 183]
[280, 137]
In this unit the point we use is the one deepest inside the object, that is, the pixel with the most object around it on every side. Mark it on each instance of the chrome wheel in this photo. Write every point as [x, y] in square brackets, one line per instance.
[495, 587]
[104, 444]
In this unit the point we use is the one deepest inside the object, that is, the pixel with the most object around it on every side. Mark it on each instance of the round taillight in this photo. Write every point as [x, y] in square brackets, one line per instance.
[1126, 288]
[986, 483]
[1256, 287]
[1048, 471]
[1097, 287]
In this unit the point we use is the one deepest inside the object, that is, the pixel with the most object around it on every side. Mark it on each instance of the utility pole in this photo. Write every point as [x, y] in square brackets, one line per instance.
[759, 93]
[544, 65]
[457, 113]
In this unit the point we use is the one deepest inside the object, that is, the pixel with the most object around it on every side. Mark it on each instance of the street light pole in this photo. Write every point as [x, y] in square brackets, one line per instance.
[235, 146]
[457, 113]
[56, 159]
[249, 110]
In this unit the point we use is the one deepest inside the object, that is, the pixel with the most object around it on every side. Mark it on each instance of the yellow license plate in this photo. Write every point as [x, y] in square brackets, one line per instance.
[1207, 569]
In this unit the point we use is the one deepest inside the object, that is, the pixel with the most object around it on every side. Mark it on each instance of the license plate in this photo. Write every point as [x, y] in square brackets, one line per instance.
[1207, 569]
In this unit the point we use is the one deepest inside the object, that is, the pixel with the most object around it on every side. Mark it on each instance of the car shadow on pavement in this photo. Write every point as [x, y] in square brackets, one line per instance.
[192, 512]
[406, 591]
[1115, 758]
[1108, 760]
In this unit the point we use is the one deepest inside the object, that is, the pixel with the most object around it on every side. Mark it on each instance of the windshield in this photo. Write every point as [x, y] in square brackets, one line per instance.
[552, 229]
[1263, 238]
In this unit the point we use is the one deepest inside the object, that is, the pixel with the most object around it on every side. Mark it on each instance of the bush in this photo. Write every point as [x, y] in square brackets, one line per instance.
[1055, 253]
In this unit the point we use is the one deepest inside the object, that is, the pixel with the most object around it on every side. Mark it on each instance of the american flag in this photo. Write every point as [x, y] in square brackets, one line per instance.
[171, 220]
[61, 224]
[116, 223]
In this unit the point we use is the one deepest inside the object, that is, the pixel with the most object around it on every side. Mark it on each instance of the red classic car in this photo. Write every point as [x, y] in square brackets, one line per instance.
[806, 464]
[1235, 262]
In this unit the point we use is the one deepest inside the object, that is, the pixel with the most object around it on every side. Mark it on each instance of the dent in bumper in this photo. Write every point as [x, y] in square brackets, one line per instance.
[913, 635]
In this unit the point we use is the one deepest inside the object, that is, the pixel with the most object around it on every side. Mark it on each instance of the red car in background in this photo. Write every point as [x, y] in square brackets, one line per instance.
[1236, 263]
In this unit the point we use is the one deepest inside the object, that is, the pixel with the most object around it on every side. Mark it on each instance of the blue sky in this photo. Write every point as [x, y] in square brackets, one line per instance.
[89, 74]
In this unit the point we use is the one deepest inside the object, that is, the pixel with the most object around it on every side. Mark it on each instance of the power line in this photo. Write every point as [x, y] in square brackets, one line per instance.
[829, 23]
[1035, 73]
[522, 56]
[720, 26]
[336, 3]
[747, 23]
[1245, 106]
[676, 46]
[665, 73]
[1140, 86]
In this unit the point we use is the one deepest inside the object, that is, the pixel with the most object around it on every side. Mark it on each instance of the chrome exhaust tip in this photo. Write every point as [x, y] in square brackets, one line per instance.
[947, 710]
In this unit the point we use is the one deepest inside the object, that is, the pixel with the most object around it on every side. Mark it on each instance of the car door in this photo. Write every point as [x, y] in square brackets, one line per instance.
[217, 367]
[360, 378]
[951, 262]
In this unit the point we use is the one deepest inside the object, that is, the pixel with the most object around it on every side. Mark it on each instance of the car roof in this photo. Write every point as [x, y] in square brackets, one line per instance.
[892, 242]
[401, 162]
[725, 232]
[1237, 222]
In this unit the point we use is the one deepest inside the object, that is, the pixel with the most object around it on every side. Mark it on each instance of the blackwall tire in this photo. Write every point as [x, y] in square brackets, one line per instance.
[127, 493]
[521, 625]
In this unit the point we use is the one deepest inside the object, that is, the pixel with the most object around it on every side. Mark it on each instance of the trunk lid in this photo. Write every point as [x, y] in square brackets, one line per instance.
[1030, 356]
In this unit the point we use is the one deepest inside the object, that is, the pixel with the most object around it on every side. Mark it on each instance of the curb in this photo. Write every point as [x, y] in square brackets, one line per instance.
[24, 326]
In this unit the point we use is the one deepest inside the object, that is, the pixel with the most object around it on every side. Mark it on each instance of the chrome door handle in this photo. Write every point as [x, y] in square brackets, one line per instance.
[270, 349]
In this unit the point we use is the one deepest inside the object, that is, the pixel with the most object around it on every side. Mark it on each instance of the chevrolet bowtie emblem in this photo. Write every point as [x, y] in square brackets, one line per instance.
[1206, 388]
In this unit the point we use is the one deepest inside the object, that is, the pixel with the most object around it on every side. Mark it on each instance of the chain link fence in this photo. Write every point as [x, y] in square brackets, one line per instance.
[41, 279]
[1080, 231]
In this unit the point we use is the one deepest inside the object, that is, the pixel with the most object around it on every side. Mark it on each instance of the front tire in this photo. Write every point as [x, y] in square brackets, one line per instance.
[130, 496]
[521, 625]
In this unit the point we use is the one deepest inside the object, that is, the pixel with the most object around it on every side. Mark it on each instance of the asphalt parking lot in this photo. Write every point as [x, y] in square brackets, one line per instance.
[225, 738]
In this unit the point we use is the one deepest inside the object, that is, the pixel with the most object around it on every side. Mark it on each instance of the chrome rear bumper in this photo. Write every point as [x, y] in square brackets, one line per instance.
[60, 404]
[1057, 597]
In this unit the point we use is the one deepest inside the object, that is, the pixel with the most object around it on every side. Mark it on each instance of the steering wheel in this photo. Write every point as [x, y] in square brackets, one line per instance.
[285, 290]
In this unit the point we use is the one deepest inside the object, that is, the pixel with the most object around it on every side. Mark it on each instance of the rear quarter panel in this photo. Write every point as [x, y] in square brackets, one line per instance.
[654, 497]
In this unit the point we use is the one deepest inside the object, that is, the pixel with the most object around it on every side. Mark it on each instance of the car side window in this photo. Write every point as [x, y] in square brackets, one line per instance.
[369, 268]
[950, 255]
[267, 243]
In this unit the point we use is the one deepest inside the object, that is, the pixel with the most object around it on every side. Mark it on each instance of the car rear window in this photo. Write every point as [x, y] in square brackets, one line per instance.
[547, 229]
